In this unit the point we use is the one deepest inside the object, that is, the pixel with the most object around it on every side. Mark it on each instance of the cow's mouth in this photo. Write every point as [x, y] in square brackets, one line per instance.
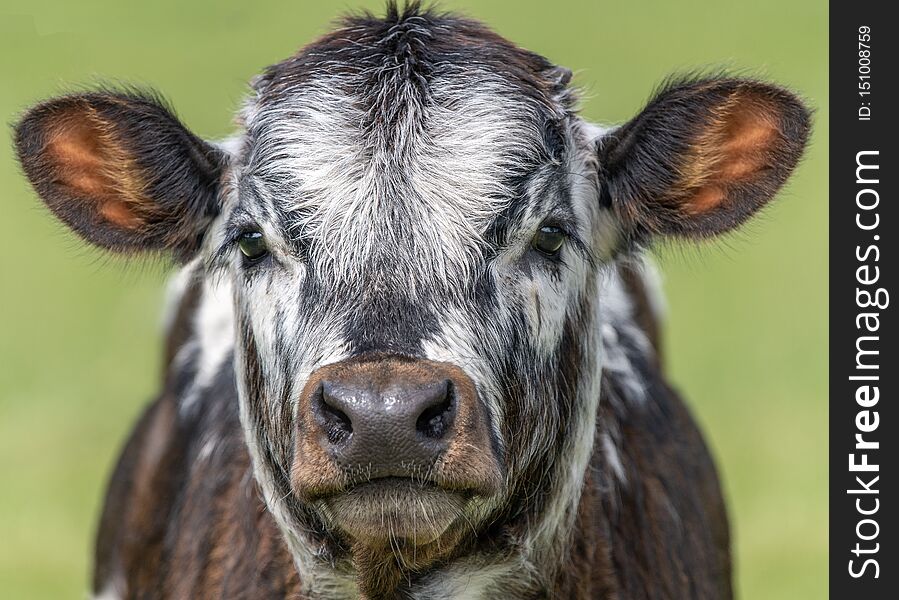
[395, 509]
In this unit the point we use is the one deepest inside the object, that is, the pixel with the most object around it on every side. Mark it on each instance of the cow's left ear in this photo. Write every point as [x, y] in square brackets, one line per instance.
[121, 171]
[702, 157]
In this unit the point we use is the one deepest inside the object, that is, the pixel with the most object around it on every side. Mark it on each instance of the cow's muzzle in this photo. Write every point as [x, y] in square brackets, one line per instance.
[382, 439]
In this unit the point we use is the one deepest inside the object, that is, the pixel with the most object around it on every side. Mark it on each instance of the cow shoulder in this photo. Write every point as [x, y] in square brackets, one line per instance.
[660, 498]
[183, 515]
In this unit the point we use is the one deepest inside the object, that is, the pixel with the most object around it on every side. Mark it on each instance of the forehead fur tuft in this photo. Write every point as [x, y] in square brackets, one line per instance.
[409, 46]
[389, 123]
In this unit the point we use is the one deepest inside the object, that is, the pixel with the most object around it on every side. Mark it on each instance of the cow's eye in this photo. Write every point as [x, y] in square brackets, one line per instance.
[548, 240]
[252, 245]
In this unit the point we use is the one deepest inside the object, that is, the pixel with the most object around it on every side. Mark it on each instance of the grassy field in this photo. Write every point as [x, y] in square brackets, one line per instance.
[79, 341]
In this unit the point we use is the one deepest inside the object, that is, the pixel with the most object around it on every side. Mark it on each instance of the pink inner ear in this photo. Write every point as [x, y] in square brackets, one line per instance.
[739, 151]
[748, 137]
[120, 214]
[705, 200]
[95, 168]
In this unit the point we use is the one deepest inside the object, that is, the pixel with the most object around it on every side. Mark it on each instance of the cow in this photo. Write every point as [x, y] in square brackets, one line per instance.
[412, 347]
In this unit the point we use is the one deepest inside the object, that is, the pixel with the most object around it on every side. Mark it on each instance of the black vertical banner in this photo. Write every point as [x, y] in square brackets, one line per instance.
[864, 269]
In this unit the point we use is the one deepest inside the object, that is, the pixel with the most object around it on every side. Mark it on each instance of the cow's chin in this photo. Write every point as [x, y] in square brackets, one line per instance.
[391, 510]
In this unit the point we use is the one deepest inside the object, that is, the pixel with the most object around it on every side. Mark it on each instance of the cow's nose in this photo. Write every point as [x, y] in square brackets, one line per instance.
[392, 428]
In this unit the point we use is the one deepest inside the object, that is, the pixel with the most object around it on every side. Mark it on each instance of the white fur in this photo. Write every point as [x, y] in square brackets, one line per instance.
[214, 337]
[619, 318]
[473, 579]
[446, 174]
[612, 456]
[174, 292]
[655, 289]
[111, 590]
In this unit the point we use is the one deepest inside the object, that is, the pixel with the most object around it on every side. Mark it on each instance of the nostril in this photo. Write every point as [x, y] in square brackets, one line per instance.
[437, 418]
[336, 424]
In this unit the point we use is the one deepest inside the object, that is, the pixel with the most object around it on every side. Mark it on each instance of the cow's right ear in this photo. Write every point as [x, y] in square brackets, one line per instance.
[121, 170]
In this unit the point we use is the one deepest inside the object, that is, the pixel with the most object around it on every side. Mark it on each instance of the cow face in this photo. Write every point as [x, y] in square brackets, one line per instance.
[415, 227]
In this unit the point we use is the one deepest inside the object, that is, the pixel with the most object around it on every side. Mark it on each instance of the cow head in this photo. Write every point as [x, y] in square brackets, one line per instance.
[415, 227]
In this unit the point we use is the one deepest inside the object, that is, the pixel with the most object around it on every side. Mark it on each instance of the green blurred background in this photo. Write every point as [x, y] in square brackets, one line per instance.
[79, 337]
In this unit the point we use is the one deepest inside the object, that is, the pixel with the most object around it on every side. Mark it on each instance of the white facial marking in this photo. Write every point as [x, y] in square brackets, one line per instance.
[443, 174]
